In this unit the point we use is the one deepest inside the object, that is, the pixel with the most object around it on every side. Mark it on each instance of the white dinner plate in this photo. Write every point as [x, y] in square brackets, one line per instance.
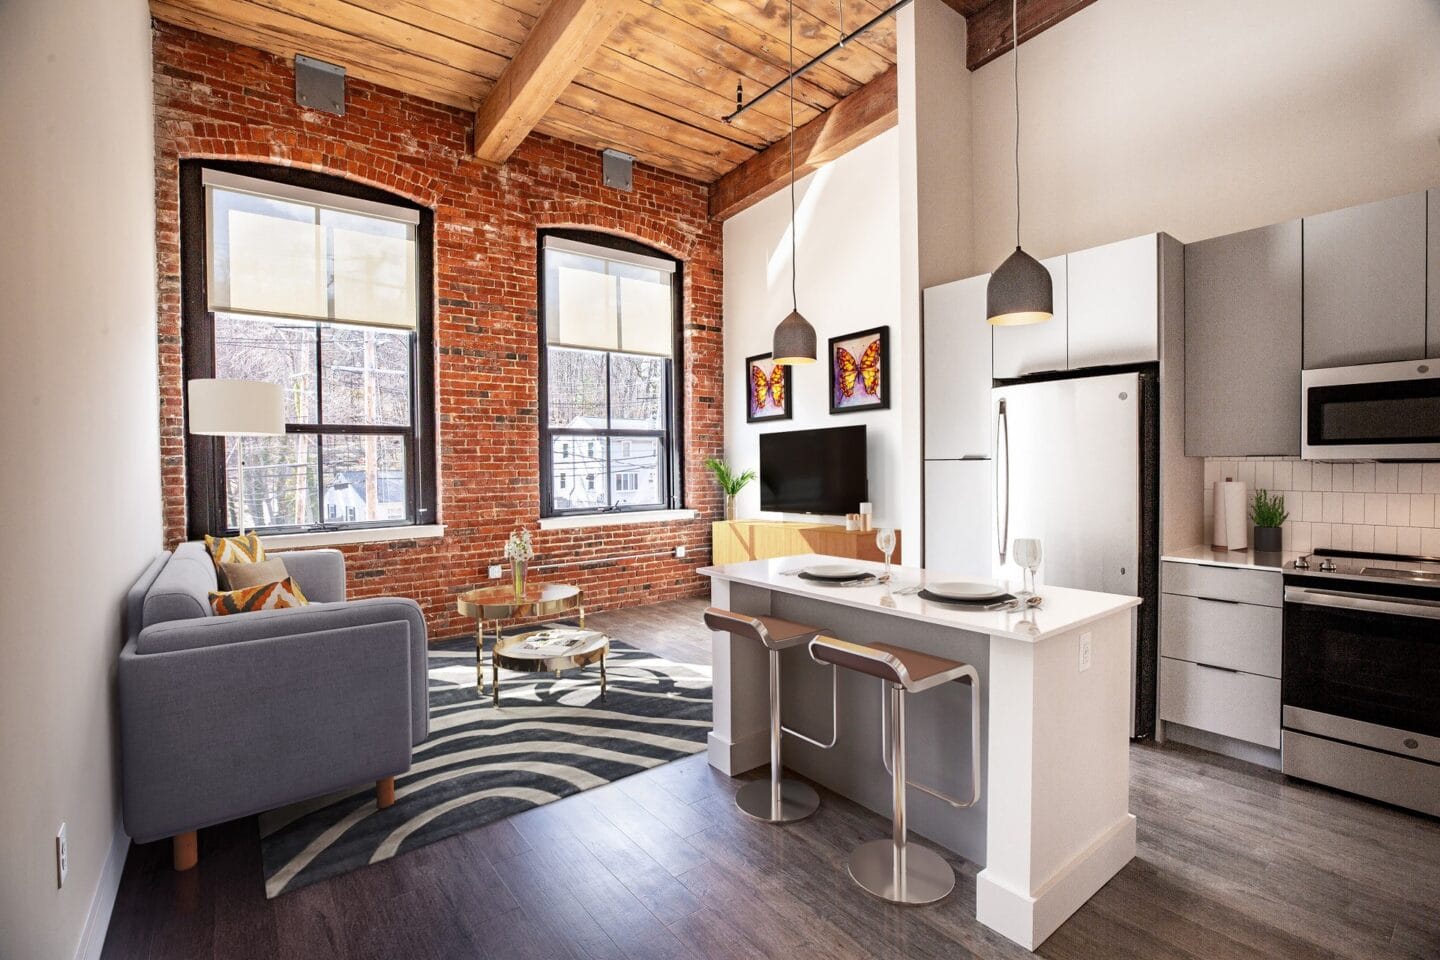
[835, 571]
[966, 591]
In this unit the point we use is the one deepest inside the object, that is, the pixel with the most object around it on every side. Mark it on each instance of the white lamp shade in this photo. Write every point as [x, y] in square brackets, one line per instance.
[251, 408]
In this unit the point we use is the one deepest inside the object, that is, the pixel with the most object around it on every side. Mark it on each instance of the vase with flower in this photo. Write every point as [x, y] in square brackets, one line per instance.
[519, 550]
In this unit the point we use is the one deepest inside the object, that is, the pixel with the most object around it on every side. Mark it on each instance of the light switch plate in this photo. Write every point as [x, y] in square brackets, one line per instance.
[1085, 643]
[495, 571]
[62, 857]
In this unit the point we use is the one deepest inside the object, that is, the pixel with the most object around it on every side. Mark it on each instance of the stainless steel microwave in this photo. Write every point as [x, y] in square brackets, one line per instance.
[1380, 411]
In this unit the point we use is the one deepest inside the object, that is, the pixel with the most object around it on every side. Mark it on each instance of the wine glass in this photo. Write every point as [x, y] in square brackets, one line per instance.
[885, 540]
[1027, 555]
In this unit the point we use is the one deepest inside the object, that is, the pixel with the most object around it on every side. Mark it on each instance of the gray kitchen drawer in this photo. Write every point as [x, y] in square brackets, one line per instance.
[1223, 583]
[1222, 633]
[1239, 705]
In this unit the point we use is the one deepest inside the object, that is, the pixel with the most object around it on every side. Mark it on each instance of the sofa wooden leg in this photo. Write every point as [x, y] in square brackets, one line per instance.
[385, 793]
[186, 849]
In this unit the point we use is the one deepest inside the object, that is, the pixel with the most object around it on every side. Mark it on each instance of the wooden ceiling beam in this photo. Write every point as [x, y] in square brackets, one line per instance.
[562, 40]
[988, 29]
[866, 113]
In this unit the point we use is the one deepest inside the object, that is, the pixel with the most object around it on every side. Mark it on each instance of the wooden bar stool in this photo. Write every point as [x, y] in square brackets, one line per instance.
[895, 869]
[777, 800]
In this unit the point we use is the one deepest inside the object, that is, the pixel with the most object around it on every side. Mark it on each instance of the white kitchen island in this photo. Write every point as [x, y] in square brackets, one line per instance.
[1053, 823]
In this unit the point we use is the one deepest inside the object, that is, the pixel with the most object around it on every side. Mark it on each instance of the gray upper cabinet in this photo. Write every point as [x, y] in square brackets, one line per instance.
[1242, 343]
[1432, 335]
[1036, 347]
[1365, 283]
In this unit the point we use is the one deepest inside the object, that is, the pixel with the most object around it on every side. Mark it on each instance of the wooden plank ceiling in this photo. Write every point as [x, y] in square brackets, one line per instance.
[654, 78]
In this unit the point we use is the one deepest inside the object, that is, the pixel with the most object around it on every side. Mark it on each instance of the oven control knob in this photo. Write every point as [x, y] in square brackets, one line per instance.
[1302, 563]
[1411, 743]
[1327, 565]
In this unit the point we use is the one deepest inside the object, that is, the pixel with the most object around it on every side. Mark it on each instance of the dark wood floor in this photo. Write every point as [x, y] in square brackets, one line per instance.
[1234, 862]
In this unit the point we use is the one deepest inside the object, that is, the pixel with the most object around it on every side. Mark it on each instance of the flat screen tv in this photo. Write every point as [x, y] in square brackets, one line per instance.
[814, 471]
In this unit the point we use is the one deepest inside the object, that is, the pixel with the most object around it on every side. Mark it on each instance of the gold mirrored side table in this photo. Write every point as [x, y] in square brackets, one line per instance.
[491, 607]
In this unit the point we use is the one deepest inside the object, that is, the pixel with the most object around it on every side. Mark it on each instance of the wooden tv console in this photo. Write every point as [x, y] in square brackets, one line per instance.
[736, 540]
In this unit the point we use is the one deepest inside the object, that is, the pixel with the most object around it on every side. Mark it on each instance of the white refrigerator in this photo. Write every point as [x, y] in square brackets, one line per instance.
[1072, 463]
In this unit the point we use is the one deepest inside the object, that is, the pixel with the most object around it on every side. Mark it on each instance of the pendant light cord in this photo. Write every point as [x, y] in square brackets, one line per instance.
[1015, 46]
[790, 64]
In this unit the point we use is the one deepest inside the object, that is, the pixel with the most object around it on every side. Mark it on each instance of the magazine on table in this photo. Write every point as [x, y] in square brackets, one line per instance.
[558, 641]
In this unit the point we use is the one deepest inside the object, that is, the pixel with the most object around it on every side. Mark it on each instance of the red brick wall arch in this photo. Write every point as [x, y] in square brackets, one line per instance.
[215, 99]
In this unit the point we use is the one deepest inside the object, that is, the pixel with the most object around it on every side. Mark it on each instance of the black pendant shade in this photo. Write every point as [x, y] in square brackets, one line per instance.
[1019, 292]
[794, 340]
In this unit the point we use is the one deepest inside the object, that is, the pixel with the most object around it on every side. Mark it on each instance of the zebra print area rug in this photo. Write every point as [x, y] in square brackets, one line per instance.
[549, 738]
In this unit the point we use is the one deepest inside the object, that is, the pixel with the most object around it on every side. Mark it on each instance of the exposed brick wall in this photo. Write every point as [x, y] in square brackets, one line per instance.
[218, 99]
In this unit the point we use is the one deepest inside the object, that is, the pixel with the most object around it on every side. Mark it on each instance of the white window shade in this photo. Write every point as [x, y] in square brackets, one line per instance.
[284, 251]
[598, 298]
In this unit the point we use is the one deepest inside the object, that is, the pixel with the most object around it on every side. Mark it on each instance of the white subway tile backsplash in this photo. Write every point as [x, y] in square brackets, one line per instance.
[1375, 509]
[1422, 510]
[1397, 509]
[1362, 538]
[1381, 507]
[1365, 477]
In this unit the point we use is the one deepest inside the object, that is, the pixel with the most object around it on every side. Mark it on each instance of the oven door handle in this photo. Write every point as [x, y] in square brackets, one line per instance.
[1427, 609]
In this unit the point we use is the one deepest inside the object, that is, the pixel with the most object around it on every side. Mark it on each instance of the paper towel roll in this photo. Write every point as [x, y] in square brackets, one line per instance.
[1232, 516]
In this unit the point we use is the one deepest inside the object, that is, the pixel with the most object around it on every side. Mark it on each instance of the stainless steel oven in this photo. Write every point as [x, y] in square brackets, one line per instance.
[1360, 687]
[1381, 411]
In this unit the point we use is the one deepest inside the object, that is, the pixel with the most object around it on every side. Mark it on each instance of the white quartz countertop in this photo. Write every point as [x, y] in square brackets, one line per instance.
[1233, 558]
[1063, 609]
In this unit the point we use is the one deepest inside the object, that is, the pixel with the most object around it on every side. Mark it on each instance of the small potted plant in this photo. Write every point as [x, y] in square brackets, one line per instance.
[519, 550]
[1267, 512]
[731, 482]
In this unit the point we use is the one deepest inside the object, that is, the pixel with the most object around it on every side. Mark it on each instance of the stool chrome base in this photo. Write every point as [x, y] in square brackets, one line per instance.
[797, 801]
[924, 875]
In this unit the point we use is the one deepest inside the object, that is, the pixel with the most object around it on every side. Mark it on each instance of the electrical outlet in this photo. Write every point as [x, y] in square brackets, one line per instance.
[62, 857]
[680, 552]
[1085, 639]
[495, 571]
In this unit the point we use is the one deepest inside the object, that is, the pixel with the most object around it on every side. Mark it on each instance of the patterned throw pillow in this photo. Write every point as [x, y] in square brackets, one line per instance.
[246, 549]
[268, 596]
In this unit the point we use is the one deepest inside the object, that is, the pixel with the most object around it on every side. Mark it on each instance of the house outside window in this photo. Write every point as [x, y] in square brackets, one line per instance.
[325, 292]
[609, 437]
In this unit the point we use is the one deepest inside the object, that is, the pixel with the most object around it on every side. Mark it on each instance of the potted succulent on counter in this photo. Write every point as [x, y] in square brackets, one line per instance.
[730, 481]
[1268, 513]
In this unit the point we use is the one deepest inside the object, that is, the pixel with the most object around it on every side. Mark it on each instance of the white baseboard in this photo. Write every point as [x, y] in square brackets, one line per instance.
[733, 759]
[97, 920]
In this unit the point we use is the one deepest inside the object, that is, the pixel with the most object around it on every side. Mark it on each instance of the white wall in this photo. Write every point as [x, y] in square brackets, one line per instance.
[1203, 117]
[849, 280]
[80, 468]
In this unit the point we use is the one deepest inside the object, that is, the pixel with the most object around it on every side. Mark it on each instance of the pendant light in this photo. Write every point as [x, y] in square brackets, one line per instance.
[794, 341]
[1020, 290]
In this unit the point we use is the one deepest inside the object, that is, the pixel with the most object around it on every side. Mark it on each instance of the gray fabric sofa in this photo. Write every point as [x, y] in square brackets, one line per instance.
[222, 717]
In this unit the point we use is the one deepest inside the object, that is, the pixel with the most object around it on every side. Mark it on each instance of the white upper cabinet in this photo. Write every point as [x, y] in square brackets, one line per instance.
[1114, 303]
[1036, 347]
[1432, 313]
[957, 371]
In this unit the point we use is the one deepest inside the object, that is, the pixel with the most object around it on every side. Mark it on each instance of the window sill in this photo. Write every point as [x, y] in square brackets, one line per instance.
[616, 519]
[335, 538]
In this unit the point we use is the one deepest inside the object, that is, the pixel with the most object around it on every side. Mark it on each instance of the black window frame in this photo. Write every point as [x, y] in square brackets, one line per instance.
[207, 509]
[671, 435]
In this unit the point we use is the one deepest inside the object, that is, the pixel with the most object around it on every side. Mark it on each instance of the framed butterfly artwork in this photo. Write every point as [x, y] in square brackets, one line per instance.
[768, 385]
[860, 371]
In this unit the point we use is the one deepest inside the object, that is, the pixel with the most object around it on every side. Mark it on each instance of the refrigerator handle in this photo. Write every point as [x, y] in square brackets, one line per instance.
[1002, 459]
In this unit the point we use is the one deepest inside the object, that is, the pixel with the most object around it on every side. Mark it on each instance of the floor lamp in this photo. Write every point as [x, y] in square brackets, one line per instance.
[236, 408]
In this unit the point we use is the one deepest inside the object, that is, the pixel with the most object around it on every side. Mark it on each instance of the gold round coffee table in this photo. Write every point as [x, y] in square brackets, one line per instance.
[553, 648]
[492, 606]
